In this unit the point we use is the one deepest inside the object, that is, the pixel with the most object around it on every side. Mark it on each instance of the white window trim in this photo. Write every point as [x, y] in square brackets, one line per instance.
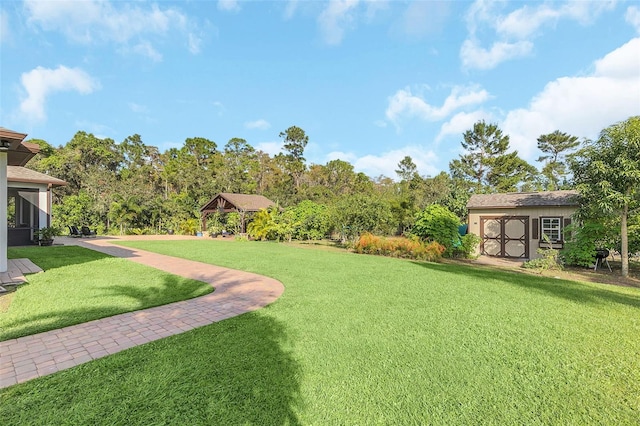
[553, 228]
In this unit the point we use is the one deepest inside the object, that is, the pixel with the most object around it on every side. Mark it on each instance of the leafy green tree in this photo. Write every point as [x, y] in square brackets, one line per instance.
[46, 150]
[268, 177]
[353, 215]
[404, 204]
[124, 212]
[437, 223]
[607, 174]
[407, 169]
[312, 220]
[191, 169]
[239, 158]
[486, 165]
[201, 149]
[556, 147]
[509, 171]
[286, 225]
[442, 189]
[295, 141]
[634, 236]
[76, 210]
[586, 236]
[482, 145]
[83, 156]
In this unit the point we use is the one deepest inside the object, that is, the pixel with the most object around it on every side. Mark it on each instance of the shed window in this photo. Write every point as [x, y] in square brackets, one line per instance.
[552, 228]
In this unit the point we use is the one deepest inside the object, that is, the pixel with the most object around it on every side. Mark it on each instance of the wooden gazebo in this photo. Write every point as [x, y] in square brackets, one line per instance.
[226, 202]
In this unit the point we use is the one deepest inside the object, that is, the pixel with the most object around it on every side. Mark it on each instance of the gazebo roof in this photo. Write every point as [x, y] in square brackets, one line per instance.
[228, 202]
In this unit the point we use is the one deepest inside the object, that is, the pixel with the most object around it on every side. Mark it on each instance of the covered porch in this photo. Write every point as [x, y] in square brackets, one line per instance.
[25, 195]
[29, 201]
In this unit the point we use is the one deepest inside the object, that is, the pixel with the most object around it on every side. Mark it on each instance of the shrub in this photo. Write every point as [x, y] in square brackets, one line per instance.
[437, 223]
[353, 215]
[263, 225]
[234, 223]
[549, 260]
[398, 247]
[189, 226]
[215, 223]
[580, 250]
[312, 220]
[468, 245]
[139, 231]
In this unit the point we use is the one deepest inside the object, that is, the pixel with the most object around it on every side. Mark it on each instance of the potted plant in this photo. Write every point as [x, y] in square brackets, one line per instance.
[44, 236]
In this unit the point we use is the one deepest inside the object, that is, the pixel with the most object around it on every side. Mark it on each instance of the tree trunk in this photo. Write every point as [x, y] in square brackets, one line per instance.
[624, 241]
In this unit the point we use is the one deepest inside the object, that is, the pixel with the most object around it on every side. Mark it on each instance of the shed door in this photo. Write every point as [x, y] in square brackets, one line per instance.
[505, 236]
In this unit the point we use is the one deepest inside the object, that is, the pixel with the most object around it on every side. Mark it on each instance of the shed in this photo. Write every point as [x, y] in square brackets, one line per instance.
[512, 225]
[226, 202]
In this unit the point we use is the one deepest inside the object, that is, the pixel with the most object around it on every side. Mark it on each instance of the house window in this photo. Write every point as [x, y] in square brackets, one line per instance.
[552, 228]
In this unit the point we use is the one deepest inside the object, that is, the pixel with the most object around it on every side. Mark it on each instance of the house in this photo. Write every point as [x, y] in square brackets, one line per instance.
[226, 202]
[25, 195]
[28, 203]
[513, 225]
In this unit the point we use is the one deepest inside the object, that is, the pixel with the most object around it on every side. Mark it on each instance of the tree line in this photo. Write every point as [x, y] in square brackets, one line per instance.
[132, 187]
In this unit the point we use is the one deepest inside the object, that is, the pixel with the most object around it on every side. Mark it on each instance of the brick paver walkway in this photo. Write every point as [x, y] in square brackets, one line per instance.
[236, 292]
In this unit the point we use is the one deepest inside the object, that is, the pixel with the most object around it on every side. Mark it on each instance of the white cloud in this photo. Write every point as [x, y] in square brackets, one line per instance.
[582, 105]
[229, 5]
[406, 104]
[525, 21]
[41, 82]
[335, 19]
[633, 17]
[260, 124]
[271, 148]
[585, 12]
[461, 122]
[146, 49]
[475, 56]
[97, 21]
[339, 16]
[514, 31]
[340, 155]
[386, 163]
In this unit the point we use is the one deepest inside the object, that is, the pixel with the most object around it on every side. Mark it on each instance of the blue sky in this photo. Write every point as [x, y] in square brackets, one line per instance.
[369, 81]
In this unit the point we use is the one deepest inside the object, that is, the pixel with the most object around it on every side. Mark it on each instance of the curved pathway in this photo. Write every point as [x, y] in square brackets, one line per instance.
[236, 292]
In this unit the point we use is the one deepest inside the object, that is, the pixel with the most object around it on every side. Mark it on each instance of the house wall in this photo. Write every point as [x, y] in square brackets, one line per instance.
[531, 212]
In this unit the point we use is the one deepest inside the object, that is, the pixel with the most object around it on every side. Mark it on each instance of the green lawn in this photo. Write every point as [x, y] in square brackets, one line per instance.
[81, 285]
[367, 340]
